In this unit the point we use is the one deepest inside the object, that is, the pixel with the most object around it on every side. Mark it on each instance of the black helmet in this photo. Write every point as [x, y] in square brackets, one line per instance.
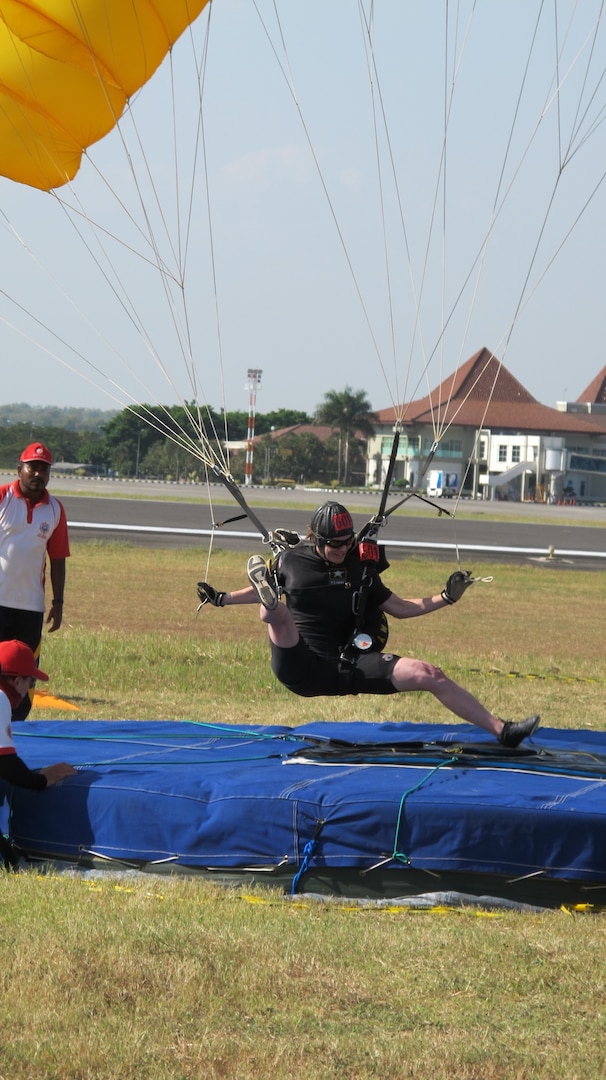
[330, 521]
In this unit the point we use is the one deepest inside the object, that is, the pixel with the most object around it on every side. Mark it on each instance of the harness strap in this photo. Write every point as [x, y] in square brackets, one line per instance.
[369, 554]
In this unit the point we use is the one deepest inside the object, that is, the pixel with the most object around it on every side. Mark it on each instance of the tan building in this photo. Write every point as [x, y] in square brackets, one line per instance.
[482, 432]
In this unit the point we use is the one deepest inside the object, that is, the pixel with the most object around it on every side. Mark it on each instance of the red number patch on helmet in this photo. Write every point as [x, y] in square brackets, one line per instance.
[342, 522]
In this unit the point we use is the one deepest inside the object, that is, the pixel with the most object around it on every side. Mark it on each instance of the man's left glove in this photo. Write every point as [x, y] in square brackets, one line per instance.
[456, 585]
[209, 595]
[285, 538]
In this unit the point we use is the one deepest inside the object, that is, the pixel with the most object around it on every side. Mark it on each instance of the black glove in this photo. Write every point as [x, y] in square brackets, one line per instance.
[456, 585]
[208, 595]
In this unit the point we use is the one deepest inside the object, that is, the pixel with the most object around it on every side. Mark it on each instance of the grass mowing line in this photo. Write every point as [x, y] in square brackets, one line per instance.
[533, 675]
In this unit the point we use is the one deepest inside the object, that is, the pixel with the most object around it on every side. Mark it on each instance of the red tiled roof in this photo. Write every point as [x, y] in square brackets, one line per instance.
[483, 393]
[321, 431]
[596, 391]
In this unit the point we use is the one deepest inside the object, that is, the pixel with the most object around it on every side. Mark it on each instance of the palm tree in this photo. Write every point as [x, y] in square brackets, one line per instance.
[348, 410]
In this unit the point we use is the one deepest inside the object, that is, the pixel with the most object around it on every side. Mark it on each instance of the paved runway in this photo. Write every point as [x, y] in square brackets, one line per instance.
[162, 516]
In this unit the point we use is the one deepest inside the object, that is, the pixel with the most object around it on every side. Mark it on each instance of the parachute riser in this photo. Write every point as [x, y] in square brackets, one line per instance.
[370, 556]
[277, 540]
[234, 490]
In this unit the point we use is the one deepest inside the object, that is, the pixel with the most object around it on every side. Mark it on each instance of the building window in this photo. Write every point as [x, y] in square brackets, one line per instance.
[502, 453]
[515, 454]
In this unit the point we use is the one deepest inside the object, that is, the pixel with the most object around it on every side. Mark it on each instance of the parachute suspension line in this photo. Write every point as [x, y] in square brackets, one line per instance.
[525, 296]
[209, 495]
[184, 242]
[121, 292]
[440, 182]
[209, 217]
[185, 439]
[577, 123]
[368, 27]
[400, 396]
[557, 68]
[499, 203]
[181, 329]
[440, 427]
[70, 300]
[497, 208]
[286, 72]
[479, 261]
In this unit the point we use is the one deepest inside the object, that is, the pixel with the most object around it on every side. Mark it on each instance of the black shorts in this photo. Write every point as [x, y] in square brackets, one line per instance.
[23, 625]
[309, 675]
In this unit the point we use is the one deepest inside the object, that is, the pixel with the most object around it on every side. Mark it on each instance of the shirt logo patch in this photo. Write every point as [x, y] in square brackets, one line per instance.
[44, 530]
[337, 577]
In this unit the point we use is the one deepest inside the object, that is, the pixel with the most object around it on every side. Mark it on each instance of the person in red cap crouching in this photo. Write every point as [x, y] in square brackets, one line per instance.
[32, 526]
[18, 670]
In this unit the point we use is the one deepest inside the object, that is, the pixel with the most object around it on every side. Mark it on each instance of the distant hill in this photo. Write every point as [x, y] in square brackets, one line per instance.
[70, 419]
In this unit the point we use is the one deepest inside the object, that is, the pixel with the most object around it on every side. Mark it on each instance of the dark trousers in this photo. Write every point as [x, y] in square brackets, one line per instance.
[26, 626]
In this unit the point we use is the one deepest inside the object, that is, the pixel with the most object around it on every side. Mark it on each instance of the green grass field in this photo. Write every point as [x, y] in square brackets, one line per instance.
[132, 646]
[173, 977]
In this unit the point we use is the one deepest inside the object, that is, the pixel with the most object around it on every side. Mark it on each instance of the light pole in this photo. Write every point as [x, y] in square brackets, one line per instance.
[254, 381]
[138, 454]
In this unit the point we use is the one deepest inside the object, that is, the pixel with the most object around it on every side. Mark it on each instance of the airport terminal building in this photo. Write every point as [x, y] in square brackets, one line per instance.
[482, 432]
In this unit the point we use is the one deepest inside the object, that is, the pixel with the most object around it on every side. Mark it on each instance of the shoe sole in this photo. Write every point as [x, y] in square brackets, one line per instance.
[257, 575]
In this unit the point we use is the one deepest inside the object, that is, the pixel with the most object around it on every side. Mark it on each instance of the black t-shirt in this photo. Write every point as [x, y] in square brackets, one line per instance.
[321, 596]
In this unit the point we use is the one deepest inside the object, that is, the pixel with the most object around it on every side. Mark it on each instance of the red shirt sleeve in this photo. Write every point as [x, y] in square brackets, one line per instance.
[58, 545]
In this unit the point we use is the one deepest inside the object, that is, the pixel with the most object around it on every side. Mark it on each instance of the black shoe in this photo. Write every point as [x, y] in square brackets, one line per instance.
[514, 731]
[258, 576]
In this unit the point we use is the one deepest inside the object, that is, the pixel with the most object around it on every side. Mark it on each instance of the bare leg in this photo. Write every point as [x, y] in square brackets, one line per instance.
[281, 626]
[418, 675]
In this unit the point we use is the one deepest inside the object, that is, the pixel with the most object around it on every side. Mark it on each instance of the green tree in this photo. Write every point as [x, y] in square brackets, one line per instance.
[303, 458]
[130, 436]
[281, 418]
[64, 445]
[349, 411]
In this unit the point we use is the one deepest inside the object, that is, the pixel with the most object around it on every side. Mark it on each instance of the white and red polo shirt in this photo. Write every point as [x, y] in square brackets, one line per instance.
[27, 534]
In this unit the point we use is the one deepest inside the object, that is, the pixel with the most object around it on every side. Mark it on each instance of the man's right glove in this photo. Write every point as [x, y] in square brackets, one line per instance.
[209, 595]
[456, 585]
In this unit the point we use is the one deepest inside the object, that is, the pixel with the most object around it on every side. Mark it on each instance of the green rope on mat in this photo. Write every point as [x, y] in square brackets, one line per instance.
[401, 856]
[134, 761]
[230, 731]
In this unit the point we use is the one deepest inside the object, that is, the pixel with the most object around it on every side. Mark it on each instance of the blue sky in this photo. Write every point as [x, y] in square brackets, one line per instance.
[315, 274]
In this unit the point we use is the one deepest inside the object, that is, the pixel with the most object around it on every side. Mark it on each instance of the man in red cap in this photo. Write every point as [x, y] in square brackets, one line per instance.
[18, 671]
[32, 526]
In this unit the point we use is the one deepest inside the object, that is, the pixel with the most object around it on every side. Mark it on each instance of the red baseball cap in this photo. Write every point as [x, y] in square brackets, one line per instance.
[37, 451]
[16, 658]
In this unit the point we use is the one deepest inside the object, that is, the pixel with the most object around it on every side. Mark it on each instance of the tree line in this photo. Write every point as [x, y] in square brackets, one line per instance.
[125, 444]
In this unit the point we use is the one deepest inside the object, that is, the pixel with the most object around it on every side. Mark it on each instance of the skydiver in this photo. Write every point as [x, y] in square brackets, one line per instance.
[312, 636]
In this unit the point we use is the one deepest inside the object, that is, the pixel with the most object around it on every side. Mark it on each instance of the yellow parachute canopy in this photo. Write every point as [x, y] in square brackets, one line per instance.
[67, 70]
